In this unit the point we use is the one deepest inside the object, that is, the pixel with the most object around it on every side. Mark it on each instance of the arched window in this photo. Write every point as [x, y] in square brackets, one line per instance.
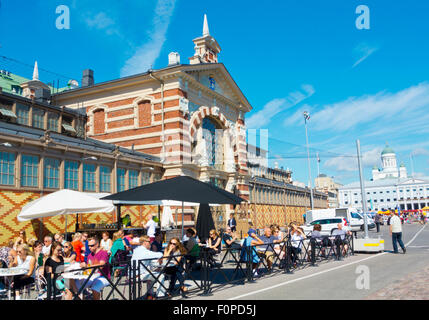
[213, 134]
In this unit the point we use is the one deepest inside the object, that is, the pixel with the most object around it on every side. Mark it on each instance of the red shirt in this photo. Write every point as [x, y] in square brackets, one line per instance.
[77, 248]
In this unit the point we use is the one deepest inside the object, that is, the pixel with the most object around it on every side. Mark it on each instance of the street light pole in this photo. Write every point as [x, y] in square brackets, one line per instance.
[307, 117]
[362, 189]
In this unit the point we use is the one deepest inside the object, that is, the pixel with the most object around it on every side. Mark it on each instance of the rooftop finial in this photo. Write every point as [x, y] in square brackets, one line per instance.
[35, 72]
[206, 31]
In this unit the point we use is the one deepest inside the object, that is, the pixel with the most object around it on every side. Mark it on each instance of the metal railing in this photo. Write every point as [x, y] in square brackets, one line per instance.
[208, 272]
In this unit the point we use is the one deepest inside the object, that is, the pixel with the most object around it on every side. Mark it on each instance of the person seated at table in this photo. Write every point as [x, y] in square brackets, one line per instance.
[85, 248]
[7, 251]
[340, 237]
[173, 257]
[119, 244]
[267, 251]
[37, 253]
[135, 238]
[317, 236]
[156, 245]
[78, 246]
[97, 258]
[59, 237]
[149, 261]
[229, 237]
[297, 236]
[279, 247]
[21, 239]
[68, 254]
[192, 247]
[248, 245]
[214, 242]
[106, 242]
[47, 242]
[54, 266]
[24, 259]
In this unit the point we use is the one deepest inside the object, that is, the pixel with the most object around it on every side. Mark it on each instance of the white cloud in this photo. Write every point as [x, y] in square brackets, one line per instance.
[350, 163]
[102, 21]
[275, 106]
[385, 111]
[146, 55]
[420, 152]
[364, 51]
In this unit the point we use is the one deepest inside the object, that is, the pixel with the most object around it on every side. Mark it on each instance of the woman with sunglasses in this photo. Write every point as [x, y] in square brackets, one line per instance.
[69, 255]
[173, 254]
[24, 259]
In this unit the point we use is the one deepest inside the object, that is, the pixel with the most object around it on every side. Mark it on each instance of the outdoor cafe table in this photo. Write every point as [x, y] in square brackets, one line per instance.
[9, 273]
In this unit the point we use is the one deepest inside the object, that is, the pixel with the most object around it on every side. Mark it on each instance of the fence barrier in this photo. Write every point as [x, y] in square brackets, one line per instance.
[196, 275]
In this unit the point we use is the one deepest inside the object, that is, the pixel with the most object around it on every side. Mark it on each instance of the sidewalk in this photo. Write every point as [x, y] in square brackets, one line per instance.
[414, 286]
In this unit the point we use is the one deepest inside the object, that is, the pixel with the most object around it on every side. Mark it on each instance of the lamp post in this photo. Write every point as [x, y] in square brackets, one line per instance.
[306, 118]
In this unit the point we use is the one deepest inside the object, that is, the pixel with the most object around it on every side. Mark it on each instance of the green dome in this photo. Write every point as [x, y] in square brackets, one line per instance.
[387, 150]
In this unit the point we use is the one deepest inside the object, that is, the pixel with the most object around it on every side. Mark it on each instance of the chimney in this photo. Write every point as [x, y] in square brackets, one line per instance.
[42, 95]
[87, 78]
[173, 58]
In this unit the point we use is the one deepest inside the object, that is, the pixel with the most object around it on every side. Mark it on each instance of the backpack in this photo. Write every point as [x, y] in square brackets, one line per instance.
[121, 257]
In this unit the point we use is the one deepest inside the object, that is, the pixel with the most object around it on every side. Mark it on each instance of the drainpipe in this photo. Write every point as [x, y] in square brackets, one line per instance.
[162, 114]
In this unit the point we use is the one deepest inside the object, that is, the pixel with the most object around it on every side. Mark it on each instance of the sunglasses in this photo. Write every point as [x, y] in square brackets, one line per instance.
[91, 245]
[173, 243]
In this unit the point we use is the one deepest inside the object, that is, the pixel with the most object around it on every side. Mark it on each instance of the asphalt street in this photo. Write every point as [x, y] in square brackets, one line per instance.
[338, 280]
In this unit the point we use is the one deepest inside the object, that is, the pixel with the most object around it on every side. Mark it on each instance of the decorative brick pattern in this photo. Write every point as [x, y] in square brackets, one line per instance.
[12, 202]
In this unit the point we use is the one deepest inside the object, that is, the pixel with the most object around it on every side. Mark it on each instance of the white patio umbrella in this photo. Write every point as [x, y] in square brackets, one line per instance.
[167, 217]
[64, 202]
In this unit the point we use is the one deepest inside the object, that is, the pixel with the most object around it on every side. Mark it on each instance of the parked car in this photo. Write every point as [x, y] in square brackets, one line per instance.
[327, 224]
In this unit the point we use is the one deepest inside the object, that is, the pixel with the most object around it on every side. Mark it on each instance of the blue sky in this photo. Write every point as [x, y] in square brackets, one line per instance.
[286, 56]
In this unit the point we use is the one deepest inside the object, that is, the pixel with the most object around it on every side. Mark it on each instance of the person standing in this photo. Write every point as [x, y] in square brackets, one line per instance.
[150, 227]
[378, 221]
[396, 233]
[232, 223]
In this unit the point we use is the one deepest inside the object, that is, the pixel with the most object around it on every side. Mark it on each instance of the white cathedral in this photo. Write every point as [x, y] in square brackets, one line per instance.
[389, 166]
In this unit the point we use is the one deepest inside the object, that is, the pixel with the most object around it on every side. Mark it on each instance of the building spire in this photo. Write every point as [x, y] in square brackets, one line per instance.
[35, 72]
[206, 31]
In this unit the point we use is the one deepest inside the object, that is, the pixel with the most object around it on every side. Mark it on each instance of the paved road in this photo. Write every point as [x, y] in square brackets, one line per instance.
[391, 276]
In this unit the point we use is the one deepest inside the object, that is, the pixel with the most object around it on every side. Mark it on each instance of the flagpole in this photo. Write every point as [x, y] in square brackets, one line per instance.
[307, 117]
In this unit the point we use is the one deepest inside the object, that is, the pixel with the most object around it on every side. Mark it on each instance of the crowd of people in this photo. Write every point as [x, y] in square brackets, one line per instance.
[156, 262]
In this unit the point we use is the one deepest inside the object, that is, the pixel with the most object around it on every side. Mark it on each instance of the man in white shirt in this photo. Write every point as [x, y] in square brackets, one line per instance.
[142, 253]
[151, 228]
[396, 233]
[46, 249]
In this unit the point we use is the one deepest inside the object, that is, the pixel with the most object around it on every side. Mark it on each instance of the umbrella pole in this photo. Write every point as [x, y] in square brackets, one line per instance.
[183, 212]
[65, 232]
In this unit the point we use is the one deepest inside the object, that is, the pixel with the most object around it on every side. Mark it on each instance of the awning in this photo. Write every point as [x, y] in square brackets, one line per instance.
[7, 112]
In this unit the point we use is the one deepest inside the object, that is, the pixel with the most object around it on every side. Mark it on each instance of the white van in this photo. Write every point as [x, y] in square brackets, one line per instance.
[312, 215]
[355, 218]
